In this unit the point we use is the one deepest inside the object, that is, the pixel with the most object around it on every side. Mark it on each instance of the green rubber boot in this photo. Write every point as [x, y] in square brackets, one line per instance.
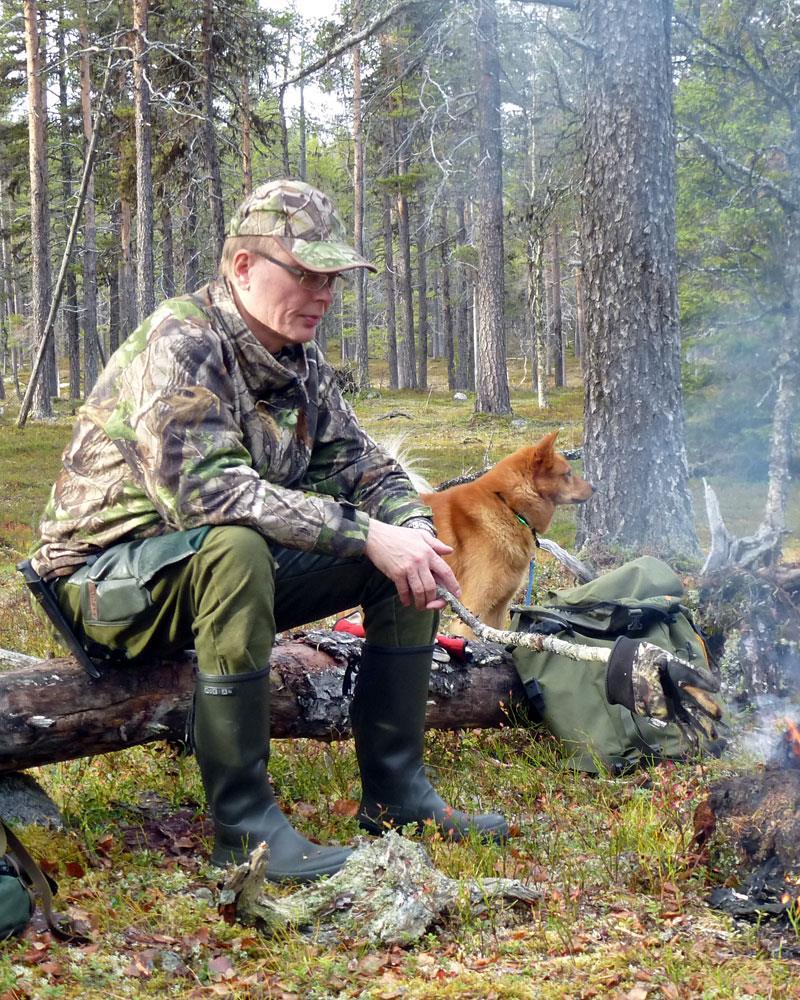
[231, 738]
[388, 719]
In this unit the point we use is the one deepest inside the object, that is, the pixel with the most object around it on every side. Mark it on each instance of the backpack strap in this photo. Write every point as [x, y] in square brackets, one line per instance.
[39, 884]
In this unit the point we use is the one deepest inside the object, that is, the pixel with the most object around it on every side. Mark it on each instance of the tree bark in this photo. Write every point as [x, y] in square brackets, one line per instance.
[536, 295]
[492, 391]
[788, 377]
[422, 295]
[556, 323]
[40, 219]
[463, 367]
[69, 309]
[634, 446]
[5, 296]
[390, 291]
[247, 145]
[52, 711]
[126, 279]
[580, 322]
[302, 142]
[209, 133]
[447, 306]
[191, 257]
[114, 305]
[167, 246]
[145, 283]
[91, 367]
[407, 361]
[362, 327]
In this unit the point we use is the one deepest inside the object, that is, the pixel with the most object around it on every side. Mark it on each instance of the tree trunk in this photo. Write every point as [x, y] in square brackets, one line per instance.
[301, 128]
[407, 361]
[145, 284]
[556, 324]
[362, 328]
[788, 375]
[634, 447]
[209, 133]
[91, 367]
[69, 308]
[536, 294]
[447, 307]
[114, 304]
[492, 392]
[390, 291]
[464, 293]
[5, 296]
[127, 289]
[580, 321]
[167, 246]
[247, 147]
[422, 295]
[191, 257]
[40, 219]
[51, 710]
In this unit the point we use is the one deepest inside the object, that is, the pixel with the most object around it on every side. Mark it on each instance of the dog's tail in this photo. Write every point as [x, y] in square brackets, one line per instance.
[400, 450]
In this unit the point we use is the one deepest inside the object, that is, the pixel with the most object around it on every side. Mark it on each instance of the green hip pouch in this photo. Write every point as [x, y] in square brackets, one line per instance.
[114, 586]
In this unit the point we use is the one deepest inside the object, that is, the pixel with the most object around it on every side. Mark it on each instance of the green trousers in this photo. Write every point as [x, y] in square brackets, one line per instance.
[226, 592]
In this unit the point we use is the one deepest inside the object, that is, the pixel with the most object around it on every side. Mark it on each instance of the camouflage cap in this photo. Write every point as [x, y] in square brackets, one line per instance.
[304, 222]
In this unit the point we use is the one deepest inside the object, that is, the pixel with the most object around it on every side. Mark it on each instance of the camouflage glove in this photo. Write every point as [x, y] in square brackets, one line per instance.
[650, 681]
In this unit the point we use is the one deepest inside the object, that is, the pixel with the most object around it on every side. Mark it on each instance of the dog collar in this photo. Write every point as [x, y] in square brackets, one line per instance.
[521, 518]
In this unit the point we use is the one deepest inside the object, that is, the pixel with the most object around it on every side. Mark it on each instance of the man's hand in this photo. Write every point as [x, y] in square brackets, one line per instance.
[650, 681]
[413, 562]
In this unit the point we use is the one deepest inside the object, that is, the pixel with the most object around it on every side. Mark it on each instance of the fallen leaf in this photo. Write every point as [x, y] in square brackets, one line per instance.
[346, 808]
[221, 967]
[371, 965]
[105, 845]
[305, 809]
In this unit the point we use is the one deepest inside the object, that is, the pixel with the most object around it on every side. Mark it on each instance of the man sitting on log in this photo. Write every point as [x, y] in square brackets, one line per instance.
[217, 490]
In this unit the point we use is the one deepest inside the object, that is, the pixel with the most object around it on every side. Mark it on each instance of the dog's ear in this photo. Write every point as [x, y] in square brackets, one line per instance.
[546, 446]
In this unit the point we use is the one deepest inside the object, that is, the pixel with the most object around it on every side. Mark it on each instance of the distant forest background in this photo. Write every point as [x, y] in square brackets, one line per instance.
[482, 154]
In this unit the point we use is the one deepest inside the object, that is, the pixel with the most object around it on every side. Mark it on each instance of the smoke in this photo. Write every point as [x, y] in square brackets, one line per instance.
[759, 740]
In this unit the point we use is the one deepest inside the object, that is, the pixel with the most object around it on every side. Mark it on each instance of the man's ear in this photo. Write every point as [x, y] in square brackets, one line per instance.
[240, 268]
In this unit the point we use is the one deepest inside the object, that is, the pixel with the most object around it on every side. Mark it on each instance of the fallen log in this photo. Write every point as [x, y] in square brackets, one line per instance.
[50, 710]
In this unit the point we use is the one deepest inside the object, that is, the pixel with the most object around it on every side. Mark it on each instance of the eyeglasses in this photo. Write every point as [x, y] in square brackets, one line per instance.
[308, 279]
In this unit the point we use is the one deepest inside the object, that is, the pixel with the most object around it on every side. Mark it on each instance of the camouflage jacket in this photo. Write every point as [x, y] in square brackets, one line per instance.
[193, 422]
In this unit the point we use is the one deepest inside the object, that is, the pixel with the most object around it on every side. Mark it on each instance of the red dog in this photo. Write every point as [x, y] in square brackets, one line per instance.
[493, 521]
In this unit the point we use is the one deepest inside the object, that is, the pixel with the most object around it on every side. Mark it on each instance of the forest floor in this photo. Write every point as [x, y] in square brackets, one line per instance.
[622, 910]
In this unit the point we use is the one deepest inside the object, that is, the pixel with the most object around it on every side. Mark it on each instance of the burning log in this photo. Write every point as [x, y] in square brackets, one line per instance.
[748, 604]
[50, 710]
[753, 633]
[759, 814]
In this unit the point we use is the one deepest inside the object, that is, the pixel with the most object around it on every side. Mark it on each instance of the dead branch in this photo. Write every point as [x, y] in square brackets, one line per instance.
[531, 640]
[388, 892]
[726, 550]
[392, 414]
[581, 572]
[350, 42]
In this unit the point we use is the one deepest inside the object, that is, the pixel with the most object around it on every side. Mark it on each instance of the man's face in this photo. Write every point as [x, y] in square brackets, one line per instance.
[278, 308]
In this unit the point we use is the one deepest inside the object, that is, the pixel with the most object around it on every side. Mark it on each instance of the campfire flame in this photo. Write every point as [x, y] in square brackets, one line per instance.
[793, 737]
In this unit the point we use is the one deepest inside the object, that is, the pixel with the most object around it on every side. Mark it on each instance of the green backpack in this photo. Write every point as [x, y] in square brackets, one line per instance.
[641, 599]
[21, 884]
